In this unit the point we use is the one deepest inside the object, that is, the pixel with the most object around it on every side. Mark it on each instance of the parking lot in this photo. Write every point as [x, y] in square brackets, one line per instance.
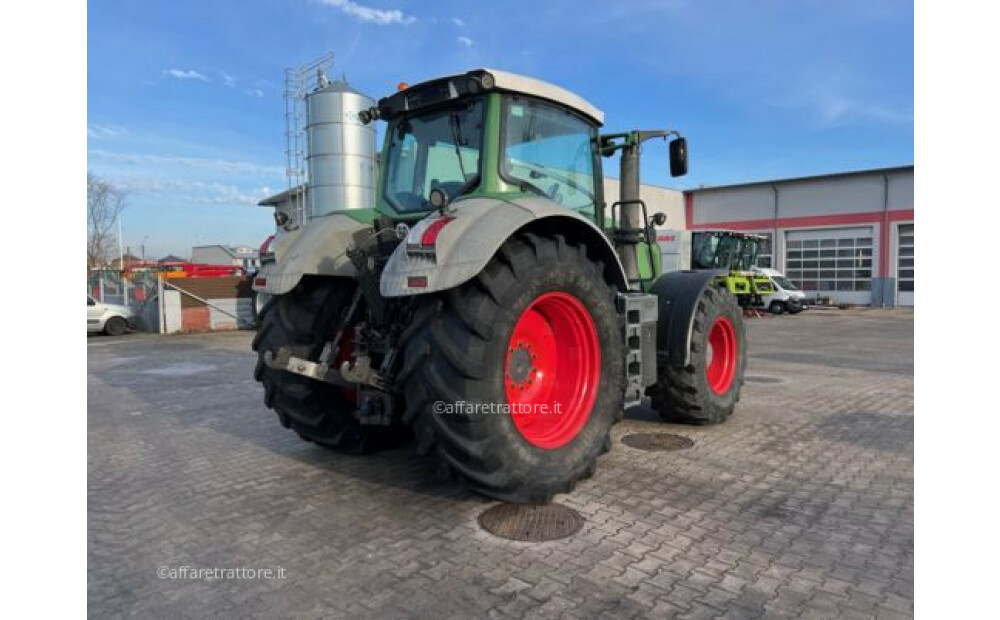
[800, 505]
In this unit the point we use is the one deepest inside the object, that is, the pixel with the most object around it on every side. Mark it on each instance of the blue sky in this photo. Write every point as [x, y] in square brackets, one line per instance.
[185, 104]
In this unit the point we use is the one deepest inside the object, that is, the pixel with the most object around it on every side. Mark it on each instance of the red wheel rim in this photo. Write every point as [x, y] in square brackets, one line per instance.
[720, 368]
[552, 370]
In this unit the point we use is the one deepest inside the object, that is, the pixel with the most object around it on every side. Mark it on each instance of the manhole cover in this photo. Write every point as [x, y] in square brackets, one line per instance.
[656, 442]
[531, 523]
[762, 379]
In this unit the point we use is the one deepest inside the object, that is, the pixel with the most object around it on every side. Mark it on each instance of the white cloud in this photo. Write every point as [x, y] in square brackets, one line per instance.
[195, 192]
[105, 131]
[200, 163]
[465, 41]
[835, 109]
[836, 106]
[458, 22]
[254, 92]
[228, 80]
[381, 17]
[190, 74]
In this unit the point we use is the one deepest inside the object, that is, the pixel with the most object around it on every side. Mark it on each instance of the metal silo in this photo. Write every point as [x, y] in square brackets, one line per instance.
[341, 155]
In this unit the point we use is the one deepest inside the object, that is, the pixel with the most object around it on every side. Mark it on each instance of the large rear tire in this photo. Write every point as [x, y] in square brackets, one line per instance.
[707, 389]
[537, 327]
[305, 319]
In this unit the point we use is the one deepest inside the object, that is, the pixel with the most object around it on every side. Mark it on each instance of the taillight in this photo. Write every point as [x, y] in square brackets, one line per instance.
[430, 235]
[423, 237]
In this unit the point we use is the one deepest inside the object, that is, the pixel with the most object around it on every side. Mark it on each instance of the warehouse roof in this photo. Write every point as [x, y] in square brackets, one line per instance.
[815, 177]
[277, 199]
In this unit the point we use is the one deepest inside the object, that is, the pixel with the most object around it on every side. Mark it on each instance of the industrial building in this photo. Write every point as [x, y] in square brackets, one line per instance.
[847, 236]
[238, 256]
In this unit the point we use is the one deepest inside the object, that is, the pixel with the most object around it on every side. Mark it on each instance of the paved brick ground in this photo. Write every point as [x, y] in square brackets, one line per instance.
[801, 505]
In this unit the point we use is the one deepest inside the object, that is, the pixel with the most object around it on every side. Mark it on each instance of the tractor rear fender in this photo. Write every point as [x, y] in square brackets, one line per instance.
[479, 226]
[677, 295]
[318, 249]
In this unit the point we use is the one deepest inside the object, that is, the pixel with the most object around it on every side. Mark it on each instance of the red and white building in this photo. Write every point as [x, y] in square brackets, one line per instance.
[847, 236]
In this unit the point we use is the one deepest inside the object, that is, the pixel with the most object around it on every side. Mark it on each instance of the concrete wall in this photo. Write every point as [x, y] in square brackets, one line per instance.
[725, 205]
[854, 194]
[657, 199]
[228, 304]
[173, 317]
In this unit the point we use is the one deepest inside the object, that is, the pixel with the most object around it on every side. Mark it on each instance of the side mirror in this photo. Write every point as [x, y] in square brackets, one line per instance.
[678, 157]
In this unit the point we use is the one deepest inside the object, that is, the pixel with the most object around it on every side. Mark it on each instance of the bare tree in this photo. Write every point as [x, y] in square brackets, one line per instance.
[105, 204]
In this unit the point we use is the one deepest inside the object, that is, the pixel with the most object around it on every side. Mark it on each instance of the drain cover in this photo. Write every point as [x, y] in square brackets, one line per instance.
[762, 379]
[656, 442]
[531, 523]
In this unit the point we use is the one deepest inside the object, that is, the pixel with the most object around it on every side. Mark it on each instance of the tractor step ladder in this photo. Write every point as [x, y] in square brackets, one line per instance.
[641, 312]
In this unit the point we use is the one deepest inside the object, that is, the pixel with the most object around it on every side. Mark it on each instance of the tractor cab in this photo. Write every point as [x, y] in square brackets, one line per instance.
[725, 249]
[486, 133]
[736, 253]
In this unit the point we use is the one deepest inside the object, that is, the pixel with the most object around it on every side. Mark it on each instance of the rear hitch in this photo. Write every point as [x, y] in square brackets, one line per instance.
[284, 360]
[361, 371]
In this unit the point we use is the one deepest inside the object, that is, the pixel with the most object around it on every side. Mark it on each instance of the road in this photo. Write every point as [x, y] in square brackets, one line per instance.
[801, 504]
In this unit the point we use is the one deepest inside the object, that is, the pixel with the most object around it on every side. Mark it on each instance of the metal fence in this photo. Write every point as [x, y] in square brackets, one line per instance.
[113, 287]
[166, 306]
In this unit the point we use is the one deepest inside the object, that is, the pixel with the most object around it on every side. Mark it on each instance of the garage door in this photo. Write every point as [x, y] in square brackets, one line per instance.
[836, 263]
[904, 265]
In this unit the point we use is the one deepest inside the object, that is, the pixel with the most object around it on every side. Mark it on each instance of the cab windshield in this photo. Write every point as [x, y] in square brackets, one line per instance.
[549, 151]
[724, 251]
[713, 251]
[784, 283]
[434, 149]
[748, 253]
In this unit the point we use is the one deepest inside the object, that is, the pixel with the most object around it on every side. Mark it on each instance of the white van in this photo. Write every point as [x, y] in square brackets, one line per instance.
[786, 296]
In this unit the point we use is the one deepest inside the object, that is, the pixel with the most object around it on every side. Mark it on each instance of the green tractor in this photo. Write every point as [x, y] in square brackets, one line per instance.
[493, 303]
[735, 252]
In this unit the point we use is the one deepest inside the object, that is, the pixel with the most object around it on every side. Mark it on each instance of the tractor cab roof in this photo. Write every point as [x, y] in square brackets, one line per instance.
[452, 87]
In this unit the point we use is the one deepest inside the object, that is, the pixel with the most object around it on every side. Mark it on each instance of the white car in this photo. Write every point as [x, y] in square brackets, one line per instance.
[786, 296]
[111, 319]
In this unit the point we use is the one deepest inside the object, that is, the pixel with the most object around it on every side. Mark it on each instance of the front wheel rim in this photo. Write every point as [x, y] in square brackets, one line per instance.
[722, 353]
[552, 370]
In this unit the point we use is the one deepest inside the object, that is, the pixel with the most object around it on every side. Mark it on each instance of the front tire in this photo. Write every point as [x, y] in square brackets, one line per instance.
[115, 326]
[537, 327]
[707, 389]
[777, 307]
